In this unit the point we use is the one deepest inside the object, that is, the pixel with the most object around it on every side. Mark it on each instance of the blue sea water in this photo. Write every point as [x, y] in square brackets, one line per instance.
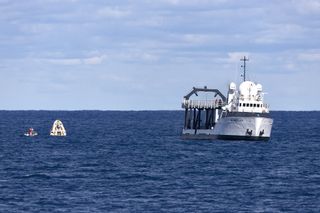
[136, 162]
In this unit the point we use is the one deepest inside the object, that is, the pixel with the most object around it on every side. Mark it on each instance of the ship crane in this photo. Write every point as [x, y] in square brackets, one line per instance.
[202, 114]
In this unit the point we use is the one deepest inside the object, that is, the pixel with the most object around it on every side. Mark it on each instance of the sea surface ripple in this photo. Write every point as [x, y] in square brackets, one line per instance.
[135, 161]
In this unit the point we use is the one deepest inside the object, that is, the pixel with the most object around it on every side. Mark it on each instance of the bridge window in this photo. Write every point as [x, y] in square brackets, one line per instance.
[250, 105]
[254, 105]
[247, 105]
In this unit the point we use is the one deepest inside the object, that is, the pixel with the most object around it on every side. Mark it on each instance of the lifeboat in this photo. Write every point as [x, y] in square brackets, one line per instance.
[31, 133]
[58, 129]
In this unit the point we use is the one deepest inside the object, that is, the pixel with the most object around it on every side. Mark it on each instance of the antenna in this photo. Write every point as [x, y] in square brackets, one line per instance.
[244, 59]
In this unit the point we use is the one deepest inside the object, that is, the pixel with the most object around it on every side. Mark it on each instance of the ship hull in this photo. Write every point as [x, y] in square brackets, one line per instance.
[234, 128]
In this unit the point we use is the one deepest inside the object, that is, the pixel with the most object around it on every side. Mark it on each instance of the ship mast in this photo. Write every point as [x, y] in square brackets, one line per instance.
[244, 59]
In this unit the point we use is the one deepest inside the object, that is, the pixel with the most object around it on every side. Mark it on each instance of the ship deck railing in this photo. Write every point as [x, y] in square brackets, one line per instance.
[201, 104]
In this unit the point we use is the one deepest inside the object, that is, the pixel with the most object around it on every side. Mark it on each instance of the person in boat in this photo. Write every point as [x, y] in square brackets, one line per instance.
[31, 132]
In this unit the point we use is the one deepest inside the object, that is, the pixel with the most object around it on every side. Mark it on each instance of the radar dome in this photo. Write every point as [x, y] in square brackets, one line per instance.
[248, 88]
[259, 87]
[232, 86]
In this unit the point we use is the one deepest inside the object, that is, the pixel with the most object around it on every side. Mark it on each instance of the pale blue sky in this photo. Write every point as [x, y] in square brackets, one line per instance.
[147, 54]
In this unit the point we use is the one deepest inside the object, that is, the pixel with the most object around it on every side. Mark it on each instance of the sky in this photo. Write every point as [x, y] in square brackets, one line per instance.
[148, 54]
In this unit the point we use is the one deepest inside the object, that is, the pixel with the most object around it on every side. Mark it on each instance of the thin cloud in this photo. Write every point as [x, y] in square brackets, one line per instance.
[94, 60]
[236, 56]
[112, 12]
[307, 6]
[176, 43]
[310, 57]
[75, 61]
[197, 38]
[280, 33]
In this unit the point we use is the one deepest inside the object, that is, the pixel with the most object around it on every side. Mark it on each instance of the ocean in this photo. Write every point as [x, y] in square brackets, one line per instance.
[135, 161]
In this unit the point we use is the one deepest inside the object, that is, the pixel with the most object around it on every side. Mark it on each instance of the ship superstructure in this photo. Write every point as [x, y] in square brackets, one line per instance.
[242, 115]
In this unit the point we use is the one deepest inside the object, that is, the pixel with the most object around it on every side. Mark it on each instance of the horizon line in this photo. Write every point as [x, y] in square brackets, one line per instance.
[130, 110]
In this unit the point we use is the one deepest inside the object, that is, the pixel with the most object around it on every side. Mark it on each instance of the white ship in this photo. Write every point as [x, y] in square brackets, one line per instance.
[241, 116]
